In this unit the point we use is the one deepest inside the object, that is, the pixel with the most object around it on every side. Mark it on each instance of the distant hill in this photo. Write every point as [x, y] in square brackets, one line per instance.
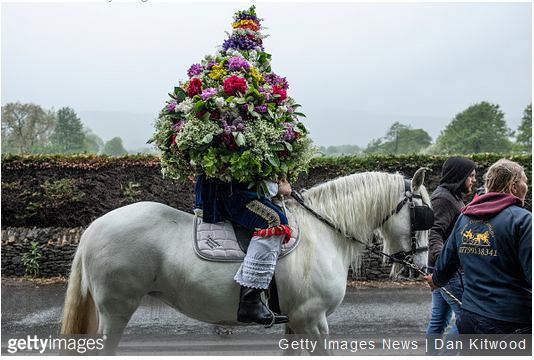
[135, 129]
[327, 129]
[359, 128]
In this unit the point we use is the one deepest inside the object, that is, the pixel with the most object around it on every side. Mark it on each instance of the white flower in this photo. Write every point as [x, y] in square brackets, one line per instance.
[220, 102]
[281, 110]
[185, 106]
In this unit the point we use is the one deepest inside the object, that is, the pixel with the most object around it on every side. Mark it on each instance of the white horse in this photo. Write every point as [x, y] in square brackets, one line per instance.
[147, 248]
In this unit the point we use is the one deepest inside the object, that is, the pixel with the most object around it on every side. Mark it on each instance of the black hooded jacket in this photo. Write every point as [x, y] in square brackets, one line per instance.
[446, 202]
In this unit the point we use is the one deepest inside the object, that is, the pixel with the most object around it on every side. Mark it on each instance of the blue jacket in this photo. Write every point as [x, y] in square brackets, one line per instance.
[492, 241]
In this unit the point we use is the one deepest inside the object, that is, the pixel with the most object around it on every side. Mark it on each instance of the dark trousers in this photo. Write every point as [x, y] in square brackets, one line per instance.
[471, 323]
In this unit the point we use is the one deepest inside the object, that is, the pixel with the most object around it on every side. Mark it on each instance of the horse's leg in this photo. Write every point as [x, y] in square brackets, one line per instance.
[290, 351]
[114, 315]
[315, 328]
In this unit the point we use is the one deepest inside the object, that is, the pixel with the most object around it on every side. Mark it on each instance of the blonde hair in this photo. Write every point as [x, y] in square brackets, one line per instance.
[502, 175]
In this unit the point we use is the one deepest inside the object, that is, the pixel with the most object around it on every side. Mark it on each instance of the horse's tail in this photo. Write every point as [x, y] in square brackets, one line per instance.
[79, 312]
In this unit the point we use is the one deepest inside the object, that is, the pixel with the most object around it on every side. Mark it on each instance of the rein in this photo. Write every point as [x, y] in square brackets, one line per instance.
[399, 257]
[372, 249]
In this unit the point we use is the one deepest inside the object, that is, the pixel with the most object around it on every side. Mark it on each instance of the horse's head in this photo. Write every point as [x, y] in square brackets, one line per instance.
[409, 227]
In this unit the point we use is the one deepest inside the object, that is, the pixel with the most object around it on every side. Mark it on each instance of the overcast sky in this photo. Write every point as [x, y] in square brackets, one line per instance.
[355, 67]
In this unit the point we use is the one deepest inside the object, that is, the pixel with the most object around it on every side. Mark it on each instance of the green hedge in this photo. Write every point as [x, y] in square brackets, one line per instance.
[348, 163]
[385, 162]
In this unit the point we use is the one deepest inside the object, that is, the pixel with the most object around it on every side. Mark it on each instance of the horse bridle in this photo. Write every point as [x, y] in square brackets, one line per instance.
[421, 218]
[417, 223]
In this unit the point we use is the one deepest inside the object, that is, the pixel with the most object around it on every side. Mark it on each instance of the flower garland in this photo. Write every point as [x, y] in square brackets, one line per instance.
[232, 119]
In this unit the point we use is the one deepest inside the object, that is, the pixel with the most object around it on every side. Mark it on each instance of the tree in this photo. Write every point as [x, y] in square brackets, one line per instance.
[400, 139]
[340, 150]
[114, 147]
[26, 128]
[524, 131]
[479, 128]
[68, 136]
[94, 142]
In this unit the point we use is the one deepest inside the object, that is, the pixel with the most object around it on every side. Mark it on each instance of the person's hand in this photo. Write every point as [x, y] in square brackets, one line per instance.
[430, 282]
[284, 188]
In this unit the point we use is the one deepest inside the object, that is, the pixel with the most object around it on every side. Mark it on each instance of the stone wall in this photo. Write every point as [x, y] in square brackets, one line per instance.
[58, 245]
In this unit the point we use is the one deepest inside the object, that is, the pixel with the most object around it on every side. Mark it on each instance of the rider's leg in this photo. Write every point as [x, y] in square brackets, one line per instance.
[257, 269]
[254, 276]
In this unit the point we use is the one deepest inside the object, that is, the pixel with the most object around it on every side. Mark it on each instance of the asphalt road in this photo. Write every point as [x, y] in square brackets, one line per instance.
[365, 312]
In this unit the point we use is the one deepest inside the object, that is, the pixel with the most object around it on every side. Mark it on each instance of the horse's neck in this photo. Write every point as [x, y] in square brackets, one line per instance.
[357, 204]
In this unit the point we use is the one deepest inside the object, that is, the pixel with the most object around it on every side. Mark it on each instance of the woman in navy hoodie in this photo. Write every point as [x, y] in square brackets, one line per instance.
[492, 241]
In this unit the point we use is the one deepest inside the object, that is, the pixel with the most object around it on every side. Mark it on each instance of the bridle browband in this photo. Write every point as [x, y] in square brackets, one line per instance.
[402, 257]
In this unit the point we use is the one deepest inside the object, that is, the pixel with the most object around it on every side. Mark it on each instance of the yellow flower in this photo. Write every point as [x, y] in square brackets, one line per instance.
[218, 72]
[239, 23]
[256, 75]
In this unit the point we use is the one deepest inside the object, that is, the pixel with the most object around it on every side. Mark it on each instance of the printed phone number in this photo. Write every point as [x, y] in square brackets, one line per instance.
[477, 251]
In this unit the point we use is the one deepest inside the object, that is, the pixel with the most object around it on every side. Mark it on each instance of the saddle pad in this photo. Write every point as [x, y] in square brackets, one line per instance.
[217, 241]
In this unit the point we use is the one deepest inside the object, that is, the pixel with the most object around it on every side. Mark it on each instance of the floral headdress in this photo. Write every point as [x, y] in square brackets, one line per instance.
[233, 118]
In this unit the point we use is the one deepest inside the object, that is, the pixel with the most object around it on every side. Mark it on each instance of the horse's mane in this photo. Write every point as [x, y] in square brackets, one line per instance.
[357, 203]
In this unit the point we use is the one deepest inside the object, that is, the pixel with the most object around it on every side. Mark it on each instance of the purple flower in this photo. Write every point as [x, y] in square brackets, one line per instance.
[236, 124]
[289, 134]
[172, 105]
[266, 92]
[194, 70]
[210, 65]
[274, 79]
[207, 93]
[241, 43]
[261, 108]
[235, 63]
[178, 125]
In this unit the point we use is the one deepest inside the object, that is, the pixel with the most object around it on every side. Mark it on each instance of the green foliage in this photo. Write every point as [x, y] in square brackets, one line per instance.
[131, 192]
[54, 194]
[14, 161]
[408, 164]
[340, 150]
[524, 131]
[391, 163]
[114, 147]
[30, 261]
[68, 136]
[94, 142]
[478, 129]
[26, 128]
[400, 139]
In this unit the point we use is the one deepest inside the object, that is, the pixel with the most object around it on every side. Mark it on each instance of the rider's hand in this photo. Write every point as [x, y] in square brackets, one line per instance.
[284, 188]
[430, 282]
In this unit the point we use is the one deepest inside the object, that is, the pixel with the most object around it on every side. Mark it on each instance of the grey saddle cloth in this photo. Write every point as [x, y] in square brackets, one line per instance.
[219, 242]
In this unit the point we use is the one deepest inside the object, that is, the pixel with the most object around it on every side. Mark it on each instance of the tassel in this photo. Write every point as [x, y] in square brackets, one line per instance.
[277, 230]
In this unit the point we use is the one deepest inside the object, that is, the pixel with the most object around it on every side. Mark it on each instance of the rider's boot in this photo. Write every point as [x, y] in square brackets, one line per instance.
[253, 310]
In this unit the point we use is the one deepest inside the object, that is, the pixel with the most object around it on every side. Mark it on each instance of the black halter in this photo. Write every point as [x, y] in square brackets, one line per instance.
[421, 218]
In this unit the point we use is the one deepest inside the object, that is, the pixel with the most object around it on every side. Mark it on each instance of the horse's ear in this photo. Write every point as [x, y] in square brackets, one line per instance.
[418, 179]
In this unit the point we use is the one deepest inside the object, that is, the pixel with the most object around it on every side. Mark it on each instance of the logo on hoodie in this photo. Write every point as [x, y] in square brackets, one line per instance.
[477, 236]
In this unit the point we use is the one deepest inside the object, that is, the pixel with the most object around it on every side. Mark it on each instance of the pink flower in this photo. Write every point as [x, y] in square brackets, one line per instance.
[195, 87]
[235, 84]
[277, 90]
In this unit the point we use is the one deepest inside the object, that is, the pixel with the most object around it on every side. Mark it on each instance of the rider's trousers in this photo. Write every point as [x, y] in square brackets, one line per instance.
[257, 268]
